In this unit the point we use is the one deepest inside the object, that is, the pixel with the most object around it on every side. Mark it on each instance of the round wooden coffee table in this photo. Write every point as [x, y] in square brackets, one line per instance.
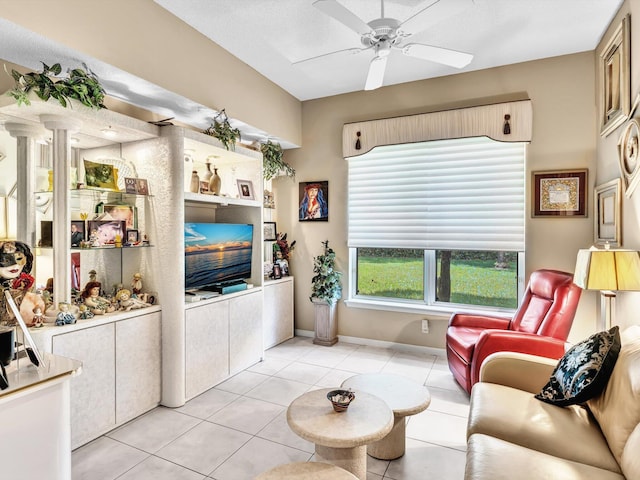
[341, 438]
[403, 396]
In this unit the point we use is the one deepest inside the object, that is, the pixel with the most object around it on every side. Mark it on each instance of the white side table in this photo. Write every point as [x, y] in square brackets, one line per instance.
[403, 396]
[341, 438]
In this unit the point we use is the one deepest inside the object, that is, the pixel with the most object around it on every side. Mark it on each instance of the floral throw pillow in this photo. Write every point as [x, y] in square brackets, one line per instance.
[583, 372]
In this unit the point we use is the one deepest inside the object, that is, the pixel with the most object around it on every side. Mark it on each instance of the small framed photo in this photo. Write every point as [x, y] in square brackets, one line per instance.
[77, 232]
[607, 212]
[204, 186]
[133, 237]
[269, 231]
[100, 176]
[559, 193]
[142, 187]
[128, 213]
[130, 185]
[104, 232]
[245, 189]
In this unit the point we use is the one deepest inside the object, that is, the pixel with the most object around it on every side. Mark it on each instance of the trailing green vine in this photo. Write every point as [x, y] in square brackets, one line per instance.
[78, 84]
[272, 162]
[221, 129]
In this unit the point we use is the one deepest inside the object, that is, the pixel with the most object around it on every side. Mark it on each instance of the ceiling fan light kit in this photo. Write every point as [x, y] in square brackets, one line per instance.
[384, 34]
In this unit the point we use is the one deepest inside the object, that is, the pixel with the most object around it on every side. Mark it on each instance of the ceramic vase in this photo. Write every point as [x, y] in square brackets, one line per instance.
[194, 186]
[214, 182]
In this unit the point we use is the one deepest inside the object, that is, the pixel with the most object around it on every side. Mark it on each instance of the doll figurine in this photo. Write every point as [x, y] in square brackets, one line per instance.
[85, 314]
[95, 303]
[127, 302]
[64, 317]
[38, 318]
[136, 284]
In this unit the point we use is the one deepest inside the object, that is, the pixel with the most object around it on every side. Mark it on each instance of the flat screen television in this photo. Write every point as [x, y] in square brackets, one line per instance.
[216, 254]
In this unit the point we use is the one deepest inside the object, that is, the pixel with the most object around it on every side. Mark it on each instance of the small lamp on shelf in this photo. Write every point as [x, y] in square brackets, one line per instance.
[610, 271]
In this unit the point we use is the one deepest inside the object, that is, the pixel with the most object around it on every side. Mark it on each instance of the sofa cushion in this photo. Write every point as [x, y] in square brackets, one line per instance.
[516, 416]
[492, 458]
[617, 409]
[583, 372]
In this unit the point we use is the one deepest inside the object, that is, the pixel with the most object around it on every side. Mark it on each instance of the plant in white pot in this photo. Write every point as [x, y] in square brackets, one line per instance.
[326, 290]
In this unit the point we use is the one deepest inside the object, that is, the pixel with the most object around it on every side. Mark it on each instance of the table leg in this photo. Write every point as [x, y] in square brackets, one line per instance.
[353, 460]
[392, 446]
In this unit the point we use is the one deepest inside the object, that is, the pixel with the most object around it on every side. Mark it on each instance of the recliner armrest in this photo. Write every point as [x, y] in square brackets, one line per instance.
[478, 321]
[517, 370]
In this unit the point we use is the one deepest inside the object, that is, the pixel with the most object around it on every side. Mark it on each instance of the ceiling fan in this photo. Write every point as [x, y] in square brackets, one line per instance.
[385, 34]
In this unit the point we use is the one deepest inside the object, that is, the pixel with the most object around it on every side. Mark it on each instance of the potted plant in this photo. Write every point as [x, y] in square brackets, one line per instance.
[272, 162]
[78, 84]
[221, 129]
[326, 290]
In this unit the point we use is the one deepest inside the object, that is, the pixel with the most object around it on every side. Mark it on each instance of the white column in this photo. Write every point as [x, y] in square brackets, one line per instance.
[25, 136]
[62, 128]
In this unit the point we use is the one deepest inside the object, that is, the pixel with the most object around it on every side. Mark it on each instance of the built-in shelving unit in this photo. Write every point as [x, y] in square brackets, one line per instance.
[134, 360]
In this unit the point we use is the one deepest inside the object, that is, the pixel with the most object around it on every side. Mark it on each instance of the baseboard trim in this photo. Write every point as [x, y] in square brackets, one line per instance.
[441, 352]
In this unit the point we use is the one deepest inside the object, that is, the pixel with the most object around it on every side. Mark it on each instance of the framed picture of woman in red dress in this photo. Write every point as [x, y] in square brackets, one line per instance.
[314, 201]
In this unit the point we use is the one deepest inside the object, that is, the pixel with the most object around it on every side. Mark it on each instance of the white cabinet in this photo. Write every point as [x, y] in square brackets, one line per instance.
[245, 331]
[207, 354]
[138, 366]
[223, 336]
[278, 311]
[121, 373]
[93, 400]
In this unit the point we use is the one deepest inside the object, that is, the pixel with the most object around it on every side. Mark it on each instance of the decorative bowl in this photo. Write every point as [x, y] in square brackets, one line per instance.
[340, 399]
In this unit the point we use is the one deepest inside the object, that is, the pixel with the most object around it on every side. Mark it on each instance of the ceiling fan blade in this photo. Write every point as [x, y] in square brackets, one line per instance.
[351, 51]
[376, 73]
[434, 13]
[343, 15]
[446, 56]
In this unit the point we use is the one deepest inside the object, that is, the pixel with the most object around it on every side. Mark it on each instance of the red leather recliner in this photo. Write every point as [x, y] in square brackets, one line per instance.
[540, 326]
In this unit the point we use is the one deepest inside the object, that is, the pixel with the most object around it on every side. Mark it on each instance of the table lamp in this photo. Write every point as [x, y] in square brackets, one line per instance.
[610, 271]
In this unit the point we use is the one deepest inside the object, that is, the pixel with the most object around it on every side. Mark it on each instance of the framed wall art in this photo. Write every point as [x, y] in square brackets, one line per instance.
[314, 201]
[628, 156]
[607, 212]
[245, 189]
[614, 72]
[269, 231]
[559, 193]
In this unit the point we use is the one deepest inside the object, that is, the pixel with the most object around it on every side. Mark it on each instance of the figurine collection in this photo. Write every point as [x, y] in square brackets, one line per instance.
[36, 305]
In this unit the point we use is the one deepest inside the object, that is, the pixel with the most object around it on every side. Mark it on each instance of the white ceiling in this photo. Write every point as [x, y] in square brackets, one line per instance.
[270, 35]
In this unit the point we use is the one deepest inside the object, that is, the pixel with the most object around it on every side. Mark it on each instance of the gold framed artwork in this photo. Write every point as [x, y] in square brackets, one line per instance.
[628, 156]
[614, 72]
[607, 212]
[559, 193]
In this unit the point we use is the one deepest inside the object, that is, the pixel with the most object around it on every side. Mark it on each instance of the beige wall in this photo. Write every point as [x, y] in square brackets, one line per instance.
[562, 93]
[628, 303]
[142, 38]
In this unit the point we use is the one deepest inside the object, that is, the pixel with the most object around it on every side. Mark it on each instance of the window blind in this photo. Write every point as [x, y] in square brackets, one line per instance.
[458, 194]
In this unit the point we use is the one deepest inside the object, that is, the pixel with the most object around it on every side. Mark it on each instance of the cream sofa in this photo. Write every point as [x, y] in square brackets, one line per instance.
[512, 435]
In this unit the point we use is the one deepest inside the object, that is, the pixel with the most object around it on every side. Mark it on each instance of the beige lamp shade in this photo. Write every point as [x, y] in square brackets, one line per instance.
[614, 270]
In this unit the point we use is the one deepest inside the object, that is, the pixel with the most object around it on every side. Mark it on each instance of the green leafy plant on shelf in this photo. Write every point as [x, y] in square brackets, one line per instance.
[272, 161]
[221, 129]
[78, 84]
[325, 284]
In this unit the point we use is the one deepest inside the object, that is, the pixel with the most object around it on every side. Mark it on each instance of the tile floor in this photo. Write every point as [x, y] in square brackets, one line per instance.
[238, 429]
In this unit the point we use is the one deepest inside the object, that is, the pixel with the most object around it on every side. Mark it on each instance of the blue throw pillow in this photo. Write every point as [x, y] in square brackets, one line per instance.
[583, 372]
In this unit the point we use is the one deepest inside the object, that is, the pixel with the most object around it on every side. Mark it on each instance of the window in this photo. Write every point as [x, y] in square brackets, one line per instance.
[437, 224]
